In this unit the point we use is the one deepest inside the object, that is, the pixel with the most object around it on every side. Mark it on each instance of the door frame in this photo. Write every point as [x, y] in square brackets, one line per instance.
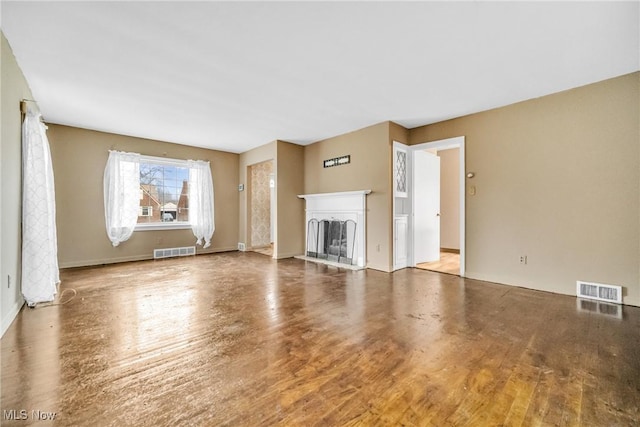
[249, 246]
[408, 196]
[443, 144]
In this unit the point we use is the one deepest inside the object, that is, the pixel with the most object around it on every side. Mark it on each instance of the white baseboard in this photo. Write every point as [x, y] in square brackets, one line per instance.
[379, 268]
[9, 317]
[287, 255]
[216, 250]
[92, 262]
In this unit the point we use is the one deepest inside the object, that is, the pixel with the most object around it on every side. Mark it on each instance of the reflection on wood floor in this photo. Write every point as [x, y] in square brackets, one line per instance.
[449, 263]
[241, 339]
[265, 250]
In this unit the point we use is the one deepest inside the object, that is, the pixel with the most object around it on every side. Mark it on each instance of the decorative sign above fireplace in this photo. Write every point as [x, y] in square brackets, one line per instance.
[337, 161]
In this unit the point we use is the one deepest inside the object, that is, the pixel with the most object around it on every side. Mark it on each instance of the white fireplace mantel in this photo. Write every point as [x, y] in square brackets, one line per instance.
[345, 205]
[338, 194]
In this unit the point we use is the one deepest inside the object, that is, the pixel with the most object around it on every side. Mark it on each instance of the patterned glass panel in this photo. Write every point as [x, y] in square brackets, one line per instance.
[401, 171]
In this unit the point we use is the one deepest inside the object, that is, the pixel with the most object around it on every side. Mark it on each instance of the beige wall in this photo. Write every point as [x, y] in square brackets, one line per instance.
[558, 180]
[398, 133]
[449, 198]
[290, 231]
[370, 168]
[14, 88]
[79, 157]
[288, 164]
[246, 159]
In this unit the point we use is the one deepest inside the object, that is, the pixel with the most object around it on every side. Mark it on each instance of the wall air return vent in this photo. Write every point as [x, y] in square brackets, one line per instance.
[599, 291]
[173, 252]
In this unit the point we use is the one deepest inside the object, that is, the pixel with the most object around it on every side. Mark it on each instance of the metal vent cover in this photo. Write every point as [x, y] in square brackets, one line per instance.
[599, 291]
[174, 252]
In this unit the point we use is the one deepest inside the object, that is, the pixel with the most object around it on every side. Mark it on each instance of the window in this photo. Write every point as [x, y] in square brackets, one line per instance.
[175, 194]
[164, 193]
[146, 211]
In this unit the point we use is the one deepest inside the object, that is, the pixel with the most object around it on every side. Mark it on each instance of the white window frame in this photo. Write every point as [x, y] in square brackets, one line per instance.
[149, 211]
[173, 225]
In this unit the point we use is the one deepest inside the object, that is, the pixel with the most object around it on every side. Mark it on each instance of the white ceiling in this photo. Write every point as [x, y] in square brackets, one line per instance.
[233, 76]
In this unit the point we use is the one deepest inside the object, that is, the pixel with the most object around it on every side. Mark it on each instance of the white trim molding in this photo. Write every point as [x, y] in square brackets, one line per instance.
[10, 316]
[444, 144]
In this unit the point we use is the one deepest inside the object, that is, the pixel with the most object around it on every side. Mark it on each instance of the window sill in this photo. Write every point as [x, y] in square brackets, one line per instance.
[163, 226]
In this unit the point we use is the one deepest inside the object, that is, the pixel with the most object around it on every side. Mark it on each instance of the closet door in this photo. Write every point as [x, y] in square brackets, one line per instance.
[401, 233]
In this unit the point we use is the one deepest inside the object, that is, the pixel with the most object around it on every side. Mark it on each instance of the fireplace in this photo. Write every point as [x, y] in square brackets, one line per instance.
[336, 224]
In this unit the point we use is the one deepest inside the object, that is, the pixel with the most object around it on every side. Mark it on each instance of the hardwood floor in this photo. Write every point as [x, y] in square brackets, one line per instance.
[449, 263]
[241, 339]
[266, 250]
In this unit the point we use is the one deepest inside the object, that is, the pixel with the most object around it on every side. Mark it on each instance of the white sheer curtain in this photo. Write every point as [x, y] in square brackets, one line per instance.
[201, 215]
[121, 195]
[40, 273]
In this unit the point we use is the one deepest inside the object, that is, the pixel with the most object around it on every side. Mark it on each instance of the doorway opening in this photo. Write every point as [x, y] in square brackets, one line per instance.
[262, 187]
[435, 207]
[449, 263]
[449, 213]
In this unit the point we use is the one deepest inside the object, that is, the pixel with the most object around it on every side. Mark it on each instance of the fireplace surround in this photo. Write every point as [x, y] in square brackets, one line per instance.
[336, 227]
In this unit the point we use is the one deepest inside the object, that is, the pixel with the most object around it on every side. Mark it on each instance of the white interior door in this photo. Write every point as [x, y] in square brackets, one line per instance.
[426, 207]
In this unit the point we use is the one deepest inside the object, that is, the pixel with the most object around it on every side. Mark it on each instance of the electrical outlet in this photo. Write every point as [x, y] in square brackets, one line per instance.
[523, 259]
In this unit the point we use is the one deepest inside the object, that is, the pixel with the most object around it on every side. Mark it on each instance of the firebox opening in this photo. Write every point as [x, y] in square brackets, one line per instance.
[331, 239]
